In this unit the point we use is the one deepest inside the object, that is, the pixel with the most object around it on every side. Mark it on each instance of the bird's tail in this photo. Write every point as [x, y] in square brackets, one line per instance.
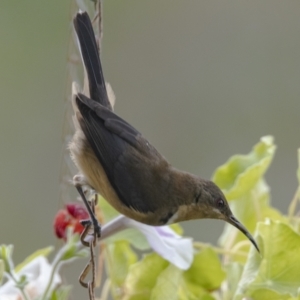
[90, 56]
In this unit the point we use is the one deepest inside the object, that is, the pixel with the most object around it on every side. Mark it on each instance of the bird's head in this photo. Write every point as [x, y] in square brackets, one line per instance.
[210, 202]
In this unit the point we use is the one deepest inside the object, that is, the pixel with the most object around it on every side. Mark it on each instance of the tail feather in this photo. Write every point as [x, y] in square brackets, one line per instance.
[91, 59]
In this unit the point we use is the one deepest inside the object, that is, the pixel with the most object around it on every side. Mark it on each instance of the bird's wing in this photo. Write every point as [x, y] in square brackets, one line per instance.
[127, 158]
[91, 59]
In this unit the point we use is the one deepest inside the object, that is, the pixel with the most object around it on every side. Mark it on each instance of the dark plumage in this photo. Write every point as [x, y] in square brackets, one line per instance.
[120, 164]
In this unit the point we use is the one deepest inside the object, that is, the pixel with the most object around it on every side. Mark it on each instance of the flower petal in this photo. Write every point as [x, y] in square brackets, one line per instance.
[38, 273]
[163, 240]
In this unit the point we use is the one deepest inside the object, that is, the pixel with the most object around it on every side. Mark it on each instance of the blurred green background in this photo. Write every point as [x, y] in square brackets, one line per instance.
[202, 80]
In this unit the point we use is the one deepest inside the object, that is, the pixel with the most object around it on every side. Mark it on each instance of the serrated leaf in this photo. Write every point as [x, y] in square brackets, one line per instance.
[206, 263]
[278, 268]
[41, 252]
[142, 277]
[241, 172]
[119, 257]
[167, 284]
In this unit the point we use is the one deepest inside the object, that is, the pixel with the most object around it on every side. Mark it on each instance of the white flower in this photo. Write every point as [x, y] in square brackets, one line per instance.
[163, 240]
[37, 272]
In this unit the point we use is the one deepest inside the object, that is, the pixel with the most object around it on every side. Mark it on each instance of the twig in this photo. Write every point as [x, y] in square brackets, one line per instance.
[91, 264]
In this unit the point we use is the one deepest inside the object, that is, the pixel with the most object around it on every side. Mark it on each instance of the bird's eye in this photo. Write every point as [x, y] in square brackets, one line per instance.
[220, 203]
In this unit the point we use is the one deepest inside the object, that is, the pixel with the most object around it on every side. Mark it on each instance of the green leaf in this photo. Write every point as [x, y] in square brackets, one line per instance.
[206, 297]
[142, 277]
[250, 209]
[71, 249]
[191, 291]
[167, 284]
[119, 258]
[61, 293]
[278, 268]
[206, 263]
[266, 294]
[241, 172]
[153, 278]
[269, 294]
[41, 252]
[72, 252]
[177, 228]
[107, 211]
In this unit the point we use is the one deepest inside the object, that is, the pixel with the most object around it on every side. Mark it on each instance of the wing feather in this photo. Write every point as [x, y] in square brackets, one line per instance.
[129, 162]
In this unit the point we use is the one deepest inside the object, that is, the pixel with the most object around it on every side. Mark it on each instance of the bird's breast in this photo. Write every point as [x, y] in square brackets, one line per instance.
[88, 164]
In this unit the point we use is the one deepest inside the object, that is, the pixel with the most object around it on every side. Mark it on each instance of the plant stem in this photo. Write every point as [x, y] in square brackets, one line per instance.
[22, 290]
[55, 265]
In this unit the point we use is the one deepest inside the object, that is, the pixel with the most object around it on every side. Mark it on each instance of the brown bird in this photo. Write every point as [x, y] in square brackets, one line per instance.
[120, 164]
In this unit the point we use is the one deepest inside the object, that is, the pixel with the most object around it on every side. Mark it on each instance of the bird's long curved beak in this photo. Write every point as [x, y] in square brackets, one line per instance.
[233, 221]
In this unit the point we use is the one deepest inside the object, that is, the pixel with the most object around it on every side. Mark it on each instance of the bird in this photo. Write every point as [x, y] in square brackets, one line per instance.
[116, 161]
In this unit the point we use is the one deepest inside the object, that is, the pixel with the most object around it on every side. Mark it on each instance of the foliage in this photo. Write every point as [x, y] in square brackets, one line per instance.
[233, 270]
